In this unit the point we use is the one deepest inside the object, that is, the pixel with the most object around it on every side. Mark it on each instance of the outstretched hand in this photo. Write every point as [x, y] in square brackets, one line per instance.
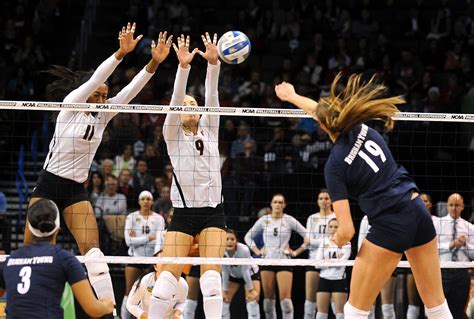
[161, 49]
[211, 54]
[285, 91]
[127, 42]
[182, 51]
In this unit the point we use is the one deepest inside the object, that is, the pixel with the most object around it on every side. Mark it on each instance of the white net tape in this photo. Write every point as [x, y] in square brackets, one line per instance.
[242, 261]
[231, 111]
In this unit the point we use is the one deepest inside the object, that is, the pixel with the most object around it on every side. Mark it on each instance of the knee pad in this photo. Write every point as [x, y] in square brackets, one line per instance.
[96, 270]
[388, 311]
[190, 309]
[354, 313]
[339, 316]
[309, 309]
[253, 309]
[226, 310]
[165, 287]
[439, 312]
[211, 284]
[413, 312]
[372, 312]
[269, 308]
[286, 306]
[321, 315]
[123, 310]
[98, 274]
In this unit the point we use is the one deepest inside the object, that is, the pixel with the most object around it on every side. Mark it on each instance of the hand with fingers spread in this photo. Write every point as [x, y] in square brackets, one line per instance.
[126, 40]
[182, 51]
[211, 54]
[161, 49]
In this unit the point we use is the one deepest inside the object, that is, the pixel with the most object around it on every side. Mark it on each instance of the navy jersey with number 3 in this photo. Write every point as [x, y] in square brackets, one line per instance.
[361, 167]
[34, 278]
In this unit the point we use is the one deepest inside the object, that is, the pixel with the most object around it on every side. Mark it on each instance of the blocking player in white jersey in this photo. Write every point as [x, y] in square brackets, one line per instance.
[144, 236]
[75, 141]
[276, 228]
[317, 226]
[233, 276]
[196, 190]
[138, 302]
[332, 281]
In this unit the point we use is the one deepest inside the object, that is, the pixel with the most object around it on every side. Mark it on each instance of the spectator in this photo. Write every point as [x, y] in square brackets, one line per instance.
[456, 243]
[155, 161]
[163, 204]
[142, 180]
[111, 202]
[95, 187]
[126, 188]
[125, 160]
[107, 168]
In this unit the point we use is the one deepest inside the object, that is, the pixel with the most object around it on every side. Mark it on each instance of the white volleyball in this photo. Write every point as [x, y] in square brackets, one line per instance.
[234, 47]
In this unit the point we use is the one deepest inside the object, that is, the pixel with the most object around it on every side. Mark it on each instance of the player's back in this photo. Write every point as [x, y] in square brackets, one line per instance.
[362, 166]
[34, 277]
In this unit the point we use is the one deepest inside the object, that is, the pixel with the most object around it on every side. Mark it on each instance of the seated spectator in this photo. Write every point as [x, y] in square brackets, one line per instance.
[243, 136]
[126, 188]
[95, 187]
[158, 183]
[163, 204]
[142, 180]
[149, 124]
[111, 202]
[125, 160]
[105, 148]
[155, 161]
[107, 168]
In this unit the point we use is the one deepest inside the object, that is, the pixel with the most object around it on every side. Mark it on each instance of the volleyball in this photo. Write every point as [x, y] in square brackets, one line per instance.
[234, 47]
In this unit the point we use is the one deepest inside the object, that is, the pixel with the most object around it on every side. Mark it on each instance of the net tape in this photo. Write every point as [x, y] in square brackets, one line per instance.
[242, 261]
[230, 111]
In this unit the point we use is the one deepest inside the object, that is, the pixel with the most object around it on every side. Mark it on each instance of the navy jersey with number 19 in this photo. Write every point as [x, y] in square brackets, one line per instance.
[361, 166]
[34, 278]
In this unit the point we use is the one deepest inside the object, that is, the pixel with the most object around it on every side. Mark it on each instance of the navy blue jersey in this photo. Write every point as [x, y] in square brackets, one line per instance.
[361, 167]
[34, 278]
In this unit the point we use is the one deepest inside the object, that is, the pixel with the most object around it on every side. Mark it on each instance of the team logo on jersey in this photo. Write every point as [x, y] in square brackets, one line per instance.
[267, 222]
[138, 219]
[316, 219]
[150, 289]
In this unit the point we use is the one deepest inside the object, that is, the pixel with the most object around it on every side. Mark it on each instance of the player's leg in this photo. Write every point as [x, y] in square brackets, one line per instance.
[212, 241]
[372, 268]
[269, 285]
[424, 262]
[323, 300]
[285, 282]
[177, 244]
[340, 298]
[312, 278]
[131, 275]
[253, 307]
[387, 296]
[193, 295]
[232, 288]
[413, 310]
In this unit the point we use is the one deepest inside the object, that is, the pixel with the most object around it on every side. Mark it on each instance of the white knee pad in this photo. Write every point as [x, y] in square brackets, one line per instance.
[309, 309]
[388, 311]
[99, 275]
[413, 312]
[124, 314]
[165, 287]
[226, 310]
[333, 307]
[321, 315]
[339, 316]
[372, 312]
[351, 312]
[439, 312]
[269, 308]
[211, 288]
[286, 308]
[253, 310]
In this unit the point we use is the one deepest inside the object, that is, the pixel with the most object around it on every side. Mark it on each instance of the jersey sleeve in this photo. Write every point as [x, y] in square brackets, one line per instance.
[363, 228]
[335, 182]
[72, 267]
[225, 277]
[212, 97]
[172, 121]
[160, 238]
[256, 229]
[297, 227]
[133, 240]
[135, 296]
[346, 252]
[101, 74]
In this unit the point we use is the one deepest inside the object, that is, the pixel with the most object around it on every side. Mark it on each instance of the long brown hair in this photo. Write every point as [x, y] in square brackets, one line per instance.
[356, 104]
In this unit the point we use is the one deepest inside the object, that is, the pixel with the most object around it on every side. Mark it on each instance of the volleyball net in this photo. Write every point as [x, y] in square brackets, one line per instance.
[263, 151]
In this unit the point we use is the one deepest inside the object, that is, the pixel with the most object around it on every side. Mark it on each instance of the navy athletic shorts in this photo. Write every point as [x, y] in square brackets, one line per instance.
[62, 191]
[402, 228]
[326, 285]
[192, 221]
